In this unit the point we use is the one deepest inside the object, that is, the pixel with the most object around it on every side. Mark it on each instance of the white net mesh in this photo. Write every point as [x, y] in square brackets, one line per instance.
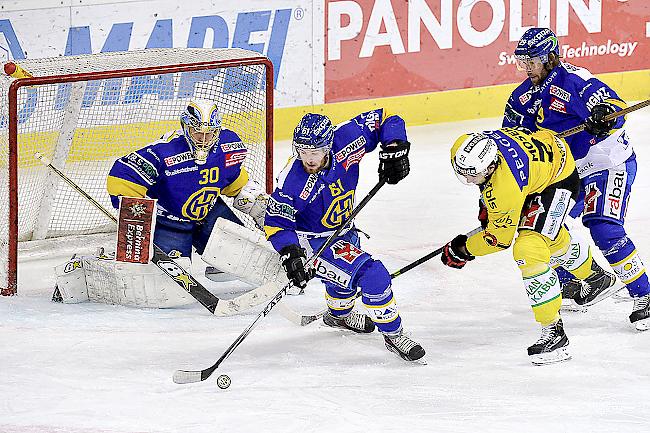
[82, 127]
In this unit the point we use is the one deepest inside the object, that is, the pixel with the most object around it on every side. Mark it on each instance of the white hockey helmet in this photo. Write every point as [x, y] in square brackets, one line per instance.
[201, 124]
[471, 156]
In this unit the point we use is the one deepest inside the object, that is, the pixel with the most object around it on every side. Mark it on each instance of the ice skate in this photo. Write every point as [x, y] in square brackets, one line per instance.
[354, 321]
[579, 295]
[640, 316]
[551, 346]
[404, 347]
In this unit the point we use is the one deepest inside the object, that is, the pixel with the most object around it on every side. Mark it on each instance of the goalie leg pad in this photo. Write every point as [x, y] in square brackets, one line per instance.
[71, 285]
[243, 252]
[128, 284]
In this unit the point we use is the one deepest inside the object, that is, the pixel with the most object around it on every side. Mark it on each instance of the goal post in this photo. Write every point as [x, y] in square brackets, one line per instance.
[84, 112]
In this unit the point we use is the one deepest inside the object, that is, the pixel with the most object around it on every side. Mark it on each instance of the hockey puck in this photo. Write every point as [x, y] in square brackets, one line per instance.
[223, 381]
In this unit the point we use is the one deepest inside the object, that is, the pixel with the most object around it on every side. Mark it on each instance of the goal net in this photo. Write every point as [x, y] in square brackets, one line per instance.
[83, 112]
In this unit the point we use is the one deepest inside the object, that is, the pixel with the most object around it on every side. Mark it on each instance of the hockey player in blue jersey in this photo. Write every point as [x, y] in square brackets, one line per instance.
[559, 96]
[187, 170]
[315, 194]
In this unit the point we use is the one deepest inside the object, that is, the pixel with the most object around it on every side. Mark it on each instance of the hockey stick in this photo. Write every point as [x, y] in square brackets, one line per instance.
[306, 319]
[193, 376]
[609, 117]
[184, 279]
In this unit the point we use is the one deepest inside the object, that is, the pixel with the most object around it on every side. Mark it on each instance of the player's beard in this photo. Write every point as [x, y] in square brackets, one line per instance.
[312, 167]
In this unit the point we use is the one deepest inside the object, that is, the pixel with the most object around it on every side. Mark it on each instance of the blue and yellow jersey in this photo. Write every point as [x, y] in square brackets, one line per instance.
[166, 170]
[317, 204]
[528, 164]
[564, 100]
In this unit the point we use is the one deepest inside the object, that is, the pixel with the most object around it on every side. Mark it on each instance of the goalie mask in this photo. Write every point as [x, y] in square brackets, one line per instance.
[312, 141]
[201, 123]
[472, 155]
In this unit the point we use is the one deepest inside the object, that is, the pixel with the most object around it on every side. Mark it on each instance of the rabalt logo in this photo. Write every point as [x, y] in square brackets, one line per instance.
[248, 26]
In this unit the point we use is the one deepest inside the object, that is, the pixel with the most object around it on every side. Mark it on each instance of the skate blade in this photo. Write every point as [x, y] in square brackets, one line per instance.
[558, 355]
[571, 306]
[642, 325]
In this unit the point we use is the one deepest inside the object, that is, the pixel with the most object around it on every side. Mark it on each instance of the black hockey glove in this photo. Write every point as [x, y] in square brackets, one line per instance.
[595, 125]
[452, 254]
[394, 161]
[293, 260]
[482, 213]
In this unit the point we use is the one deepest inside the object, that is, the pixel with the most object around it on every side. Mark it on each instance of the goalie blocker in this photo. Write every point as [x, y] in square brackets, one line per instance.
[127, 277]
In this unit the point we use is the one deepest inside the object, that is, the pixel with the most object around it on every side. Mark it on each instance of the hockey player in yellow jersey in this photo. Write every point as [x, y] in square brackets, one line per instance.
[528, 184]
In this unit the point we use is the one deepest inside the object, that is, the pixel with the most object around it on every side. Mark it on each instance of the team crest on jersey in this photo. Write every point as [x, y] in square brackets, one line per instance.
[557, 105]
[345, 251]
[197, 206]
[531, 214]
[339, 210]
[560, 93]
[591, 198]
[178, 158]
[235, 158]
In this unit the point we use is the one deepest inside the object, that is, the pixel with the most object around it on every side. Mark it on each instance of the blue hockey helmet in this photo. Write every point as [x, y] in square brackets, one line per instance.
[537, 42]
[315, 131]
[201, 124]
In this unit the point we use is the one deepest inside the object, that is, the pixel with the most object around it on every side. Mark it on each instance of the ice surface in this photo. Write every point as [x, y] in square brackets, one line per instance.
[96, 368]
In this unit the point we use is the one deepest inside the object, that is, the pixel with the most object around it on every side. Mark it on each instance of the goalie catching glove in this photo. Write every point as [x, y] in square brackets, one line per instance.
[252, 201]
[394, 161]
[293, 260]
[454, 254]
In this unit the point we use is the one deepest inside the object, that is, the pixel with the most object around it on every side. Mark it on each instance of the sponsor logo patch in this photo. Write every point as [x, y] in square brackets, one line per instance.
[235, 158]
[530, 215]
[350, 148]
[345, 251]
[353, 159]
[229, 147]
[309, 186]
[557, 105]
[524, 98]
[282, 210]
[615, 191]
[591, 198]
[372, 121]
[329, 272]
[560, 93]
[178, 158]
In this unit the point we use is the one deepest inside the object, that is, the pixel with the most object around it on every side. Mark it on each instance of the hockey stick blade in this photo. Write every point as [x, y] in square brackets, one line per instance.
[183, 376]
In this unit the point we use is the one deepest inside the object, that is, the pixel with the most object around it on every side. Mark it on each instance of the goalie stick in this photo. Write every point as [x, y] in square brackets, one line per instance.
[216, 306]
[306, 319]
[193, 376]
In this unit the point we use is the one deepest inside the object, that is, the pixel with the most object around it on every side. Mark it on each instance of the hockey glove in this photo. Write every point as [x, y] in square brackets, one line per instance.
[453, 255]
[394, 161]
[595, 124]
[482, 213]
[293, 260]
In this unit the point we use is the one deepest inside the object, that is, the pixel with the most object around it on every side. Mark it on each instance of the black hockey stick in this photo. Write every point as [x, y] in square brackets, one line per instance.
[193, 376]
[607, 118]
[183, 278]
[306, 319]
